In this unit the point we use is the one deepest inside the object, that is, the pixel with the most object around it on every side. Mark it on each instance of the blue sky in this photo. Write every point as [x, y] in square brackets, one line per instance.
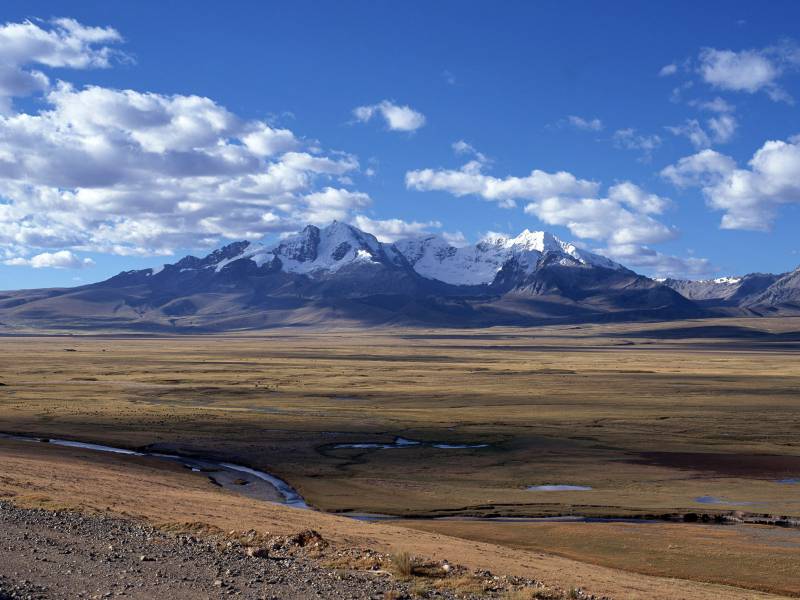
[661, 136]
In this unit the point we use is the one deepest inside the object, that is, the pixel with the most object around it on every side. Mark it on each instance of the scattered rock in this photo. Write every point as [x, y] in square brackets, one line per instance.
[256, 552]
[63, 555]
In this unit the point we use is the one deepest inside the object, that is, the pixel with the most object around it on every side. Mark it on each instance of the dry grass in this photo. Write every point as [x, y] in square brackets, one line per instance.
[461, 585]
[557, 405]
[403, 565]
[521, 594]
[550, 400]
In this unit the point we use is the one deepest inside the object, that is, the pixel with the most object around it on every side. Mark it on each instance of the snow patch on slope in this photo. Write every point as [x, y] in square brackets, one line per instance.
[315, 250]
[433, 258]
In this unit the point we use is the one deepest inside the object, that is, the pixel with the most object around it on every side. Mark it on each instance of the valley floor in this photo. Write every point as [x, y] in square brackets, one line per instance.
[672, 418]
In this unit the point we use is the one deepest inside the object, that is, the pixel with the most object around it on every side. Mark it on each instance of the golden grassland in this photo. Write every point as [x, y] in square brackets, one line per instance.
[650, 416]
[41, 475]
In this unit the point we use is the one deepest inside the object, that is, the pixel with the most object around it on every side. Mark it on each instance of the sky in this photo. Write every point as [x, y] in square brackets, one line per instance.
[665, 136]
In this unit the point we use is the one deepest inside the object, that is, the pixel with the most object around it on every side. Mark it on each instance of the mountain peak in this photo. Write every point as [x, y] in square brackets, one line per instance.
[541, 241]
[318, 250]
[433, 258]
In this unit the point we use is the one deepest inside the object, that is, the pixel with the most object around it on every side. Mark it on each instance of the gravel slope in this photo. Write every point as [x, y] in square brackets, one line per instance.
[67, 555]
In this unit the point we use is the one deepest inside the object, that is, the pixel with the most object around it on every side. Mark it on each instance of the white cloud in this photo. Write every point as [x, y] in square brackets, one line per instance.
[391, 230]
[455, 238]
[693, 131]
[636, 198]
[137, 173]
[720, 129]
[470, 180]
[397, 118]
[623, 219]
[667, 70]
[63, 259]
[749, 198]
[264, 140]
[749, 71]
[332, 204]
[659, 264]
[577, 122]
[61, 43]
[704, 167]
[717, 105]
[629, 139]
[603, 219]
[462, 147]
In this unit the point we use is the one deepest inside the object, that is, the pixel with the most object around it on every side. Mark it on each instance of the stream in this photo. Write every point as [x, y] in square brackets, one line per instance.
[266, 487]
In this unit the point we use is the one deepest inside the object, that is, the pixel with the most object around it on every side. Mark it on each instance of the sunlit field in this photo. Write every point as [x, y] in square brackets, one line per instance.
[643, 420]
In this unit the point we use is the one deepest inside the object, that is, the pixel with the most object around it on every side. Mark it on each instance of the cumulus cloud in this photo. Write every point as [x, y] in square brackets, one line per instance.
[624, 222]
[605, 219]
[397, 118]
[63, 259]
[333, 204]
[748, 197]
[623, 219]
[659, 264]
[706, 167]
[634, 197]
[391, 230]
[629, 139]
[749, 70]
[61, 43]
[470, 179]
[138, 173]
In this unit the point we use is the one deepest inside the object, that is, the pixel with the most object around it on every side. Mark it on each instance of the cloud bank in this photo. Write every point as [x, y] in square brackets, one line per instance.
[127, 172]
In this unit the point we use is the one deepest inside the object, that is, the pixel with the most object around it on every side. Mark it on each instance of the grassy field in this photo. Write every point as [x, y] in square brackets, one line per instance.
[651, 417]
[45, 476]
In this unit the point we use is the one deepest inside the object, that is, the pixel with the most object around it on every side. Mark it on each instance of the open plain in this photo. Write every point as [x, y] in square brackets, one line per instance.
[642, 420]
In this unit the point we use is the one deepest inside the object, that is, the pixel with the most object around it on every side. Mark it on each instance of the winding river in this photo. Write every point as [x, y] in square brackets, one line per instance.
[264, 486]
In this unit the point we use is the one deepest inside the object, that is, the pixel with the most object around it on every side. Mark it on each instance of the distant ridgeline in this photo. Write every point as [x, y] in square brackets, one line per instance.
[341, 275]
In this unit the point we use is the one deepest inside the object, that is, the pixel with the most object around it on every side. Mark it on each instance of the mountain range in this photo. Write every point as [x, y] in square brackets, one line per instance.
[340, 275]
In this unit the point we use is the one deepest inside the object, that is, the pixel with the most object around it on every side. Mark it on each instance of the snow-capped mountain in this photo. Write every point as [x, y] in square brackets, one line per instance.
[434, 258]
[341, 274]
[319, 252]
[314, 251]
[723, 291]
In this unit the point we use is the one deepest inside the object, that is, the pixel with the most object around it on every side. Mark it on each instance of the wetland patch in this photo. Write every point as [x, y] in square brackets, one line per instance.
[558, 487]
[401, 442]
